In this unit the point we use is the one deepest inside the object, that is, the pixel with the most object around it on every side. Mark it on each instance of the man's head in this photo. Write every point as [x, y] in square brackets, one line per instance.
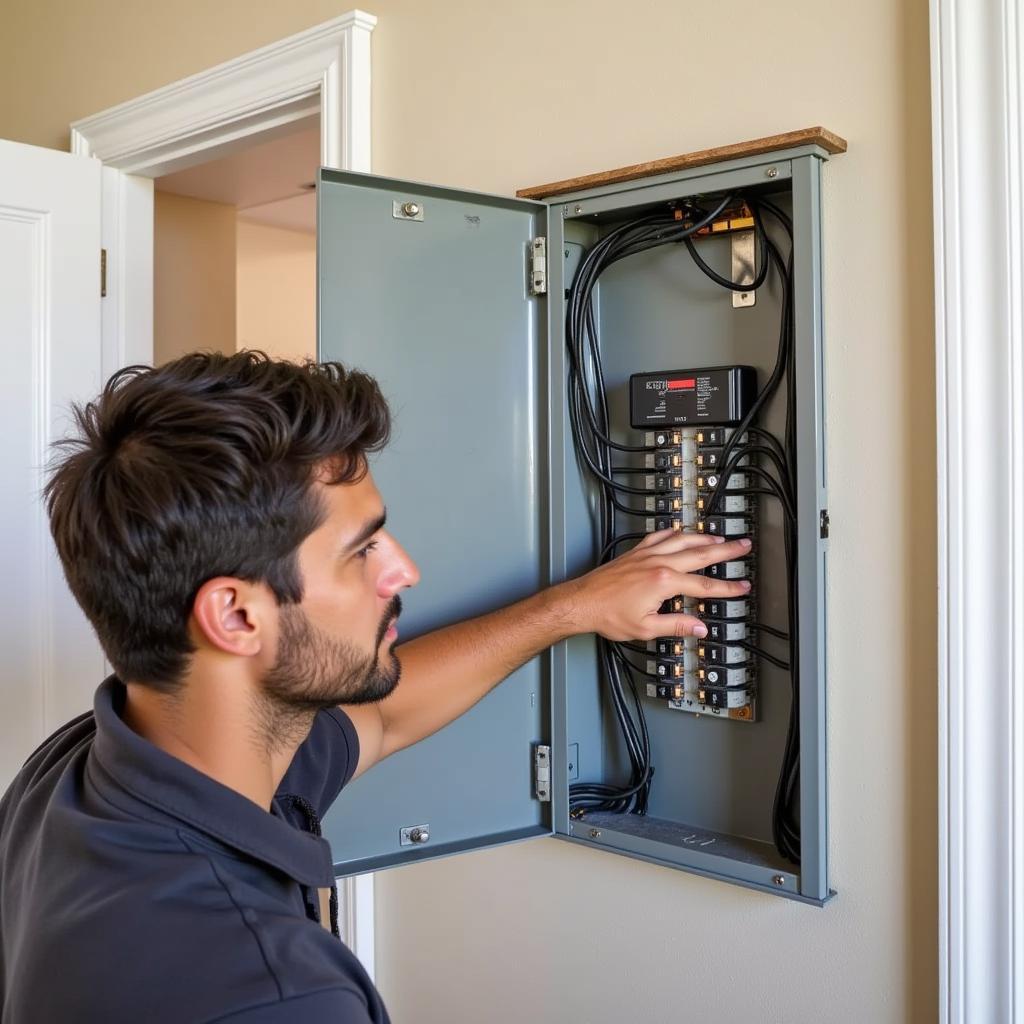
[220, 507]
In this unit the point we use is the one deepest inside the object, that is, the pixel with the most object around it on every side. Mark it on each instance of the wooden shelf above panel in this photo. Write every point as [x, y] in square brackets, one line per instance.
[756, 147]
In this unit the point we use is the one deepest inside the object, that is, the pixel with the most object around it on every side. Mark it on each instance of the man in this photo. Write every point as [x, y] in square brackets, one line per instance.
[160, 858]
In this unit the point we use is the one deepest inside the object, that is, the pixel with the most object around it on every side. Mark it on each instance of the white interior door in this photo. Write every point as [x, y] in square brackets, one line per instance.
[51, 349]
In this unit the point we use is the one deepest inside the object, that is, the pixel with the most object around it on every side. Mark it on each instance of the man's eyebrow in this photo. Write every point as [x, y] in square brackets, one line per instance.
[367, 531]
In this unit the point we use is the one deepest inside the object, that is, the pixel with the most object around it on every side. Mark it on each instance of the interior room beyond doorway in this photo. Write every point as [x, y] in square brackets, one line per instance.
[234, 261]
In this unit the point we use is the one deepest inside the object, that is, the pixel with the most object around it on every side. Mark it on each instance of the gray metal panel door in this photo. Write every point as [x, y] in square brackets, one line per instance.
[433, 302]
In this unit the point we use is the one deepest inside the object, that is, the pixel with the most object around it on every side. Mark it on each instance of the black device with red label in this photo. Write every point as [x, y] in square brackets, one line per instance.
[720, 395]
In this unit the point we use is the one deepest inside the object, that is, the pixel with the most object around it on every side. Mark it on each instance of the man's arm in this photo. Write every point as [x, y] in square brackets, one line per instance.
[446, 672]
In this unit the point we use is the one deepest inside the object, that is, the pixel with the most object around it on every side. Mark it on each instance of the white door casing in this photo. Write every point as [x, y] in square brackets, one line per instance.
[323, 69]
[978, 159]
[50, 339]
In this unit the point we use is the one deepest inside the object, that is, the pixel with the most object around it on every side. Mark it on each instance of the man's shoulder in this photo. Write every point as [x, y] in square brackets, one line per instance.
[51, 755]
[181, 941]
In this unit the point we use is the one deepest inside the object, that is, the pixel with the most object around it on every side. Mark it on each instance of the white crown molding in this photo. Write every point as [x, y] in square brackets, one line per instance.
[978, 168]
[325, 69]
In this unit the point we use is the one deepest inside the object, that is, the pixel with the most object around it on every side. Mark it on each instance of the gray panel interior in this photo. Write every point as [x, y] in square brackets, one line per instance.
[659, 312]
[437, 311]
[656, 311]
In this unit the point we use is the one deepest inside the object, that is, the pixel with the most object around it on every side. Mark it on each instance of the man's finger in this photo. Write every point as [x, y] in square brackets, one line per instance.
[667, 583]
[655, 538]
[674, 625]
[692, 585]
[669, 541]
[701, 557]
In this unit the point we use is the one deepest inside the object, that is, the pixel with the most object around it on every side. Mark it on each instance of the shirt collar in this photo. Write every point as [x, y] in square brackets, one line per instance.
[176, 790]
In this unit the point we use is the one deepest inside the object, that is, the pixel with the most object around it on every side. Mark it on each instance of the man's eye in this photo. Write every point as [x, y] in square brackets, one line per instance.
[363, 552]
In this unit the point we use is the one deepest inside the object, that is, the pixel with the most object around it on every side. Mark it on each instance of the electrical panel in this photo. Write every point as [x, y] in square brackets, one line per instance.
[642, 354]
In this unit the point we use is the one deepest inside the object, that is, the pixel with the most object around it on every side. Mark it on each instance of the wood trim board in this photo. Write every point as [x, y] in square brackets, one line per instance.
[769, 144]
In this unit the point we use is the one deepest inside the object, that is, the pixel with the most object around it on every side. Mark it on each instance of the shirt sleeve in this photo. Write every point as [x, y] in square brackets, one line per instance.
[325, 761]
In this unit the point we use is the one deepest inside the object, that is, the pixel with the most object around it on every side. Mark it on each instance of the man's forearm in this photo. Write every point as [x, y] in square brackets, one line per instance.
[446, 672]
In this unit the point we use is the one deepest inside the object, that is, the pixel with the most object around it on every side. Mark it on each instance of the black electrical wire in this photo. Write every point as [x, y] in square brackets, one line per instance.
[770, 630]
[616, 541]
[754, 649]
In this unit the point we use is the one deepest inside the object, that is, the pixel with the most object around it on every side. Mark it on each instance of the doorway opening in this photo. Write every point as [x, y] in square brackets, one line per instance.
[234, 250]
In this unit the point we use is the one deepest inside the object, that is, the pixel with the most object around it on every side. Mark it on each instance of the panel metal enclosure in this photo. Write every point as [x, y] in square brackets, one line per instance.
[714, 785]
[426, 289]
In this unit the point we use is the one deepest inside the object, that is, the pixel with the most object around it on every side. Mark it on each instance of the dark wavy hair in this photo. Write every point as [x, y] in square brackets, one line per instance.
[199, 468]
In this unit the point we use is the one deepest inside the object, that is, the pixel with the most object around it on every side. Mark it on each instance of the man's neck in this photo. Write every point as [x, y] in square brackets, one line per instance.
[220, 727]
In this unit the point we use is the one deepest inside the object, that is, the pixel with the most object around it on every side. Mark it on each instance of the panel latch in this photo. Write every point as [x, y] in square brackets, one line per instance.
[542, 772]
[823, 524]
[538, 273]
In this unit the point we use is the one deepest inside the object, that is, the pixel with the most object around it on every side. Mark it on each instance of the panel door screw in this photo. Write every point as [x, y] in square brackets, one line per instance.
[410, 209]
[595, 833]
[772, 172]
[779, 879]
[579, 209]
[419, 835]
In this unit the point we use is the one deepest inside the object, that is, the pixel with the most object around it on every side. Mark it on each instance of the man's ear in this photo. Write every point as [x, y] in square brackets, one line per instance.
[232, 615]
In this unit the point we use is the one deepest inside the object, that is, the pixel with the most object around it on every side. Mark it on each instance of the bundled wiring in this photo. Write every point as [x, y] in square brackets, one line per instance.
[774, 478]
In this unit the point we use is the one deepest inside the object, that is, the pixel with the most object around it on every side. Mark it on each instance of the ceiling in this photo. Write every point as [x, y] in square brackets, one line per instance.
[298, 213]
[268, 182]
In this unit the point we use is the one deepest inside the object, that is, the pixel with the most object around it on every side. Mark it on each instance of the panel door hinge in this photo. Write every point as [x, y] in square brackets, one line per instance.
[538, 273]
[103, 273]
[542, 772]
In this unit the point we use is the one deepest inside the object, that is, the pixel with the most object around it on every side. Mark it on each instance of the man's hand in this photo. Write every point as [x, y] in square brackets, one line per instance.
[620, 599]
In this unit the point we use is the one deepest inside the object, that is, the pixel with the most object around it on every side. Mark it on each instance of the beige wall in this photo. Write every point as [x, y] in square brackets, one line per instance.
[276, 290]
[498, 95]
[193, 276]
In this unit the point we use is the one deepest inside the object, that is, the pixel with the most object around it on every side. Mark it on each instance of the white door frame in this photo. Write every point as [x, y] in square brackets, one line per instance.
[324, 70]
[978, 161]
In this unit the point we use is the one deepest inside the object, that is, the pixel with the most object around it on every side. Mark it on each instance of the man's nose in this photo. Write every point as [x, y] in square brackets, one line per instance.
[401, 573]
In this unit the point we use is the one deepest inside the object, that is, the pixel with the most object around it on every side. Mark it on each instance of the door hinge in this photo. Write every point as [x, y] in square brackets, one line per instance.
[103, 273]
[539, 266]
[542, 772]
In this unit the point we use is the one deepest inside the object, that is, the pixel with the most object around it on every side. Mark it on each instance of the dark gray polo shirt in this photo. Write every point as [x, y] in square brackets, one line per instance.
[134, 888]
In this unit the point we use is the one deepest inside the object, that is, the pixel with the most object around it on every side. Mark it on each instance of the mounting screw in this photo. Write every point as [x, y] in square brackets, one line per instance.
[578, 209]
[779, 879]
[595, 833]
[772, 172]
[411, 209]
[419, 835]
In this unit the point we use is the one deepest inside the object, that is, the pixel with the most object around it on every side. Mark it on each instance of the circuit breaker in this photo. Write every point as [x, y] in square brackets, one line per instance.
[570, 371]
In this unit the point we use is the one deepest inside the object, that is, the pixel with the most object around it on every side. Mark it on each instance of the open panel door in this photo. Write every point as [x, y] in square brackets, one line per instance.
[427, 289]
